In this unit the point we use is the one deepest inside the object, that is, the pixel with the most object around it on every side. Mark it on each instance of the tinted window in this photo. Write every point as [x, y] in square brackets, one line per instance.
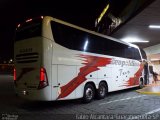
[144, 56]
[79, 40]
[29, 30]
[129, 52]
[136, 54]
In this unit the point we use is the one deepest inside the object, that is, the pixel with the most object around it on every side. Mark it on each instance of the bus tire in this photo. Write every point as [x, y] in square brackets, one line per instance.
[141, 85]
[89, 93]
[102, 90]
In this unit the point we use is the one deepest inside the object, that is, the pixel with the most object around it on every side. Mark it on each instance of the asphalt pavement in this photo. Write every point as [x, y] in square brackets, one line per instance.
[126, 104]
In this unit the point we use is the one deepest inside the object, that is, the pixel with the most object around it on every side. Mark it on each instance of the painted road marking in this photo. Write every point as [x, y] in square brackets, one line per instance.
[153, 111]
[129, 98]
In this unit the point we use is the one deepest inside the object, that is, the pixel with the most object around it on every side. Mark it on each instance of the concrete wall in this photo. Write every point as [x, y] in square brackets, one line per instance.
[153, 52]
[153, 49]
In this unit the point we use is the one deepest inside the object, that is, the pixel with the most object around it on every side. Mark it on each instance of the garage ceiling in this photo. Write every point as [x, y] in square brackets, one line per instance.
[138, 26]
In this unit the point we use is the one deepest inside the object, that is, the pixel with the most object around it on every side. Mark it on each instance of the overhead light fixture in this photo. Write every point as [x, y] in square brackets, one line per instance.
[133, 40]
[103, 13]
[154, 26]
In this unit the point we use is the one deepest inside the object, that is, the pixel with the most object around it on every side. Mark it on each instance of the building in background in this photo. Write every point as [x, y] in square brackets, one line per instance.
[117, 13]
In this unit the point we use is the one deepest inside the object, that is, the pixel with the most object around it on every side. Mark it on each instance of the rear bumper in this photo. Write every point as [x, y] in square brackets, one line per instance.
[35, 95]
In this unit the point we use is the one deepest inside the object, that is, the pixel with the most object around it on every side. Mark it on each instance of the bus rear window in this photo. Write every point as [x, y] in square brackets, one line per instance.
[29, 29]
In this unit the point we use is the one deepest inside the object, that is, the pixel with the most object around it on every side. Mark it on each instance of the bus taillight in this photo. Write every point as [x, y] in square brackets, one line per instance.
[43, 79]
[18, 25]
[28, 20]
[14, 74]
[42, 74]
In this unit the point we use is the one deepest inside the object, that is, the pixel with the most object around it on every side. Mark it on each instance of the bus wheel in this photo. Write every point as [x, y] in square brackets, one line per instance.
[102, 90]
[141, 84]
[89, 93]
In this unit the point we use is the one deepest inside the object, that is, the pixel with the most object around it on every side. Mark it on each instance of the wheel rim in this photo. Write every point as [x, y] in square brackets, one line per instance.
[102, 90]
[89, 93]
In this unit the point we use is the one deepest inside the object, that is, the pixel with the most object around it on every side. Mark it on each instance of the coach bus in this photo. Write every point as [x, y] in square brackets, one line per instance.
[56, 60]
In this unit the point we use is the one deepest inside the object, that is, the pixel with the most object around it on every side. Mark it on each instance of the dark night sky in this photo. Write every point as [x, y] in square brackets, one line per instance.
[80, 12]
[12, 12]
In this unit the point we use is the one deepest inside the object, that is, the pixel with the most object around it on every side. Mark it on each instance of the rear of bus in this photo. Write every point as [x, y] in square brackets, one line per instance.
[32, 72]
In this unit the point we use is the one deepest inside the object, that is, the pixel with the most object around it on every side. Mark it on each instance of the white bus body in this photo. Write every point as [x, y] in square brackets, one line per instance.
[64, 61]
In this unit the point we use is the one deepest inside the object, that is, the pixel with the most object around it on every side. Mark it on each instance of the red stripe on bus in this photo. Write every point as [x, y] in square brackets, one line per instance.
[91, 64]
[135, 80]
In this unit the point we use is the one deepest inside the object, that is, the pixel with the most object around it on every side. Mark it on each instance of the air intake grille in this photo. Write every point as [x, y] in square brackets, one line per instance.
[27, 58]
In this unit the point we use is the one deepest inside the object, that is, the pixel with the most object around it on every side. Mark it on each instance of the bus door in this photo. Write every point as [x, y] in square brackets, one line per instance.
[150, 74]
[146, 74]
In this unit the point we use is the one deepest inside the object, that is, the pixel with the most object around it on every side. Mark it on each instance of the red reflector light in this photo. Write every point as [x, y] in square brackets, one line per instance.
[14, 74]
[43, 79]
[42, 74]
